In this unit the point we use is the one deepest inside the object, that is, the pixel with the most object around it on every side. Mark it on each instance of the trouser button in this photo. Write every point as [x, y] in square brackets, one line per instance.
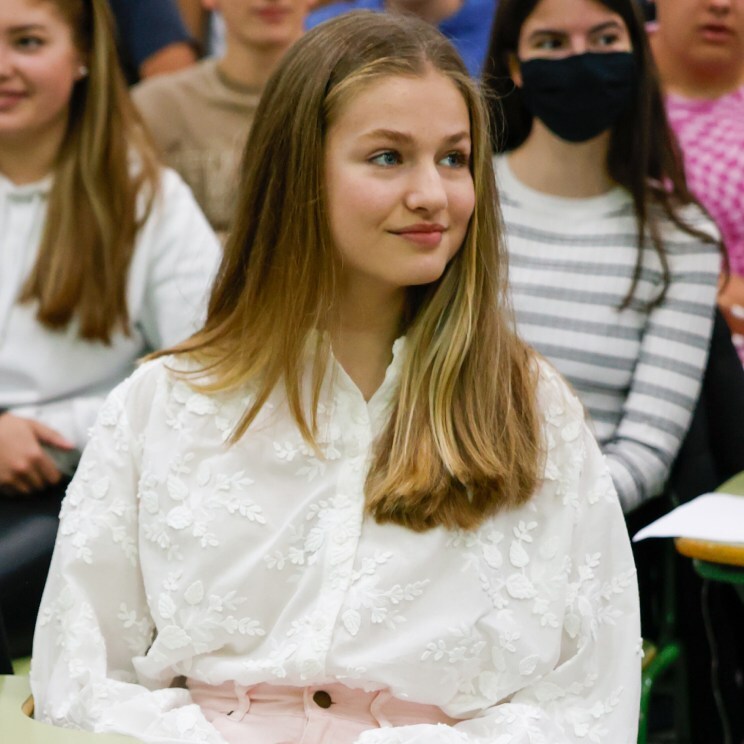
[322, 699]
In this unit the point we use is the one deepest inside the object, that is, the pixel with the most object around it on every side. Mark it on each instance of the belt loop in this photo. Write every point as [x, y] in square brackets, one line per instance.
[376, 708]
[244, 702]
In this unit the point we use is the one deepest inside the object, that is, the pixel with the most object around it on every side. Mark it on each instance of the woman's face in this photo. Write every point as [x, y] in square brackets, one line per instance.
[561, 28]
[39, 65]
[399, 187]
[703, 33]
[262, 24]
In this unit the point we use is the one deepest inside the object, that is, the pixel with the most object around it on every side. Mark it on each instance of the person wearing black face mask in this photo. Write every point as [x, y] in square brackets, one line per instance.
[580, 96]
[613, 263]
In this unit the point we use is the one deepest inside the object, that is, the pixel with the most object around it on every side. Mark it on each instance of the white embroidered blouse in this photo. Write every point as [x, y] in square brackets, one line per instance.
[180, 555]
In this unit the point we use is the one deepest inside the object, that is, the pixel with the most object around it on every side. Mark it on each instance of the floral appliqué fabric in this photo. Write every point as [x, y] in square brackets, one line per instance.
[182, 555]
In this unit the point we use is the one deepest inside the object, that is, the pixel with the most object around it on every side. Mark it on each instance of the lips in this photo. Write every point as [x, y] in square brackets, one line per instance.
[9, 98]
[271, 14]
[425, 234]
[716, 32]
[421, 229]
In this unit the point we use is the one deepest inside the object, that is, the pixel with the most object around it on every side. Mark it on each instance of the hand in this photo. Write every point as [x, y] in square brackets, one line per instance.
[24, 465]
[731, 302]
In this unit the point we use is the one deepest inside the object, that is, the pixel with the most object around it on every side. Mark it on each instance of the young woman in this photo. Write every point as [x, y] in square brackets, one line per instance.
[102, 258]
[698, 46]
[613, 266]
[353, 500]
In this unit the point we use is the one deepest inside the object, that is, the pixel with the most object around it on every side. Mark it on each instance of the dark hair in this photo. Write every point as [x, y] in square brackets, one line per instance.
[643, 155]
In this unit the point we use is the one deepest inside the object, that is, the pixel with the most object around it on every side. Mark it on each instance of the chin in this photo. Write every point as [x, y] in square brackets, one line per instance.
[429, 276]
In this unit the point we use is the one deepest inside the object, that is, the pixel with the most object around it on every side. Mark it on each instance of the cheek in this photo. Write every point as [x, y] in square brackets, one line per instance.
[462, 202]
[356, 199]
[56, 78]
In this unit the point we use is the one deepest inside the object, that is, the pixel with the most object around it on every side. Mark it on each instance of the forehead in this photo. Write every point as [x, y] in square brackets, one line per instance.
[41, 12]
[424, 104]
[569, 16]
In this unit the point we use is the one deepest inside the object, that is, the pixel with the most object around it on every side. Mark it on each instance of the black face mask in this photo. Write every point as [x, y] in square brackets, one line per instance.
[581, 96]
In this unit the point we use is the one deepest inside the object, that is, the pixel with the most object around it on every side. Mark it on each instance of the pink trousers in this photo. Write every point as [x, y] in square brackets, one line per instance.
[331, 714]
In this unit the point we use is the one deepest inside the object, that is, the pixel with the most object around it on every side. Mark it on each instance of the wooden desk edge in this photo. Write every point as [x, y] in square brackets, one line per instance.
[713, 552]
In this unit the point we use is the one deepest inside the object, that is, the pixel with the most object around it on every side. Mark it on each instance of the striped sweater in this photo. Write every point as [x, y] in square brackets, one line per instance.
[638, 371]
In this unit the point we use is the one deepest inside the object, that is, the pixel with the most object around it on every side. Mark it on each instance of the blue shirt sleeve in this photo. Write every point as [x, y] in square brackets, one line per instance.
[146, 26]
[469, 29]
[332, 10]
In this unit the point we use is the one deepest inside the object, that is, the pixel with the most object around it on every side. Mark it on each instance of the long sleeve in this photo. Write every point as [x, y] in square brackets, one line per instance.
[183, 255]
[529, 623]
[170, 276]
[638, 368]
[666, 378]
[94, 621]
[592, 694]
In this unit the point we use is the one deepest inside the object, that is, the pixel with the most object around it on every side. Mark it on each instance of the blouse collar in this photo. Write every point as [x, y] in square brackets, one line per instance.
[379, 404]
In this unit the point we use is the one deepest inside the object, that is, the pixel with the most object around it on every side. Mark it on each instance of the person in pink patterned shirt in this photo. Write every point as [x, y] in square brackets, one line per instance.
[699, 49]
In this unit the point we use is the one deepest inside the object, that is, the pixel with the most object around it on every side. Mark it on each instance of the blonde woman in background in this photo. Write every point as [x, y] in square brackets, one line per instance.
[103, 257]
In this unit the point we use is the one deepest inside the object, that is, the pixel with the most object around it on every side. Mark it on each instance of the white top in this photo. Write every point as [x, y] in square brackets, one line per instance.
[55, 376]
[180, 555]
[638, 371]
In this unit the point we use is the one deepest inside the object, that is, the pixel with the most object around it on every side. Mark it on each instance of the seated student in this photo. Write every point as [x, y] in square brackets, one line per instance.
[200, 117]
[699, 48]
[354, 499]
[465, 22]
[590, 165]
[103, 256]
[153, 39]
[613, 265]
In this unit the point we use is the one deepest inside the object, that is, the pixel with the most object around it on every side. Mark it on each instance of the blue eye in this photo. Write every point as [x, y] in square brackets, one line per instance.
[455, 159]
[386, 159]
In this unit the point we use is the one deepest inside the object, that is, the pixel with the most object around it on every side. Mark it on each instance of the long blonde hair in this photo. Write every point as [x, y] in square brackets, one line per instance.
[105, 173]
[462, 441]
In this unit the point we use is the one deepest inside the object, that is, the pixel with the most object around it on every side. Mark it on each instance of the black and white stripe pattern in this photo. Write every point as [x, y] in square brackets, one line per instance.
[637, 371]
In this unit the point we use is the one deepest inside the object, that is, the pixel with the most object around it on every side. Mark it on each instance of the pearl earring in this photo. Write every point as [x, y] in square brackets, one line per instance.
[82, 72]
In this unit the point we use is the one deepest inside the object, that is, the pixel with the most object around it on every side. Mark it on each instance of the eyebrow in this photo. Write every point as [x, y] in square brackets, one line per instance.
[27, 27]
[405, 138]
[556, 32]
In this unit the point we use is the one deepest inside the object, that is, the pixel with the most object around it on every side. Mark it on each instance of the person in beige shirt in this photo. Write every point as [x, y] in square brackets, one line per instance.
[200, 117]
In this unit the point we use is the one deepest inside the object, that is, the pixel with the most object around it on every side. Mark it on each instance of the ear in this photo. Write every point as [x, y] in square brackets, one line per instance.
[514, 69]
[82, 70]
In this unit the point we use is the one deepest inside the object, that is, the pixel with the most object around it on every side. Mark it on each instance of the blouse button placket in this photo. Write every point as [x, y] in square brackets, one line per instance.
[344, 535]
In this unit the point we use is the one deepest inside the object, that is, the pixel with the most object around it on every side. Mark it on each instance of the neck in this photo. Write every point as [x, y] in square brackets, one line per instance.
[250, 67]
[362, 338]
[548, 164]
[705, 82]
[27, 159]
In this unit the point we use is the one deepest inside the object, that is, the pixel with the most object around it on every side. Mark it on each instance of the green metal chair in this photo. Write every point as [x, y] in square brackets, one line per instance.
[665, 655]
[668, 653]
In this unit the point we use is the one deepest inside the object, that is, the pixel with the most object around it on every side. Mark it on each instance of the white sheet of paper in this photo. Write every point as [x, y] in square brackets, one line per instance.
[718, 517]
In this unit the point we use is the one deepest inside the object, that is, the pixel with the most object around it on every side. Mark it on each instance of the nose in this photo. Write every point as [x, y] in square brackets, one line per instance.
[720, 7]
[578, 44]
[426, 192]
